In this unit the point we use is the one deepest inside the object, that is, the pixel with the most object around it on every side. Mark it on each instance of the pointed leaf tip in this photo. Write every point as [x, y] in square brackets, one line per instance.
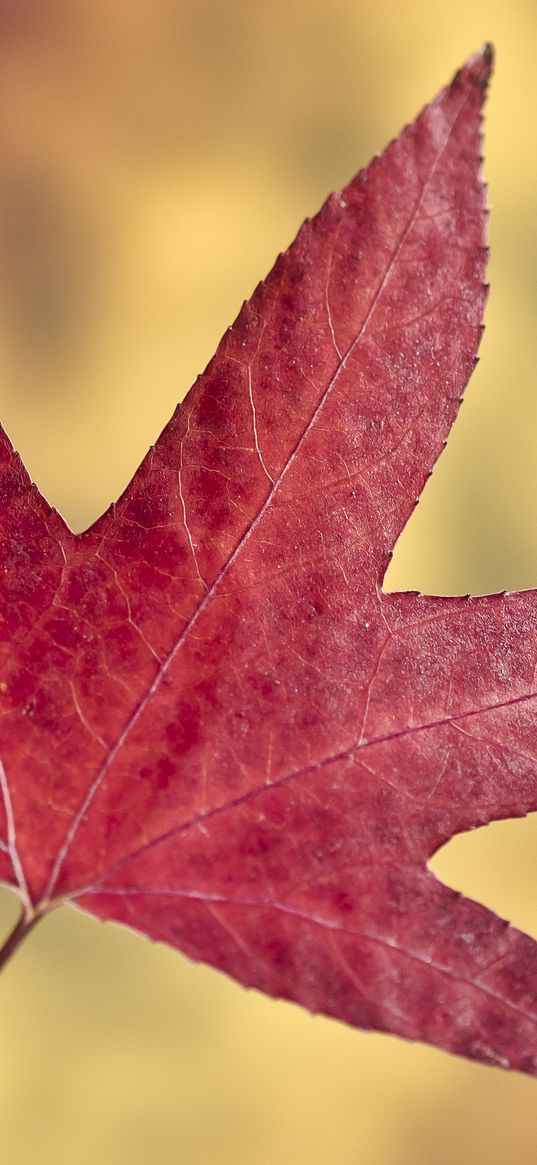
[489, 54]
[478, 68]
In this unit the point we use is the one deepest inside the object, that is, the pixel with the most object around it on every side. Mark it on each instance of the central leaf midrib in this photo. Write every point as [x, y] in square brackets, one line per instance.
[169, 659]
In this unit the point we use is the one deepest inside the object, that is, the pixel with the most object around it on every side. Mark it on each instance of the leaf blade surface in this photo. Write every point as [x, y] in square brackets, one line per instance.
[234, 741]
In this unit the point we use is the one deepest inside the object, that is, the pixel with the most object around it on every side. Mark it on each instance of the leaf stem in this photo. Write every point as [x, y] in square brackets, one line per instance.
[22, 928]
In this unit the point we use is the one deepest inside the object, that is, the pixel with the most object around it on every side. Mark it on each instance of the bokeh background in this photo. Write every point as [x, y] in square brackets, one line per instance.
[154, 157]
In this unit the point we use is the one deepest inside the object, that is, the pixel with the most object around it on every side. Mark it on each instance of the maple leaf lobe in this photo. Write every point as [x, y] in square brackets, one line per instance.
[214, 725]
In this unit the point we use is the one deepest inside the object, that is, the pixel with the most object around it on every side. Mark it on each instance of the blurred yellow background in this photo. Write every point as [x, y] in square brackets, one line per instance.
[154, 157]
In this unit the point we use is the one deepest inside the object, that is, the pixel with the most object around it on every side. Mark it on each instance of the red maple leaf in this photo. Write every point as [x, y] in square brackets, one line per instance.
[214, 724]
